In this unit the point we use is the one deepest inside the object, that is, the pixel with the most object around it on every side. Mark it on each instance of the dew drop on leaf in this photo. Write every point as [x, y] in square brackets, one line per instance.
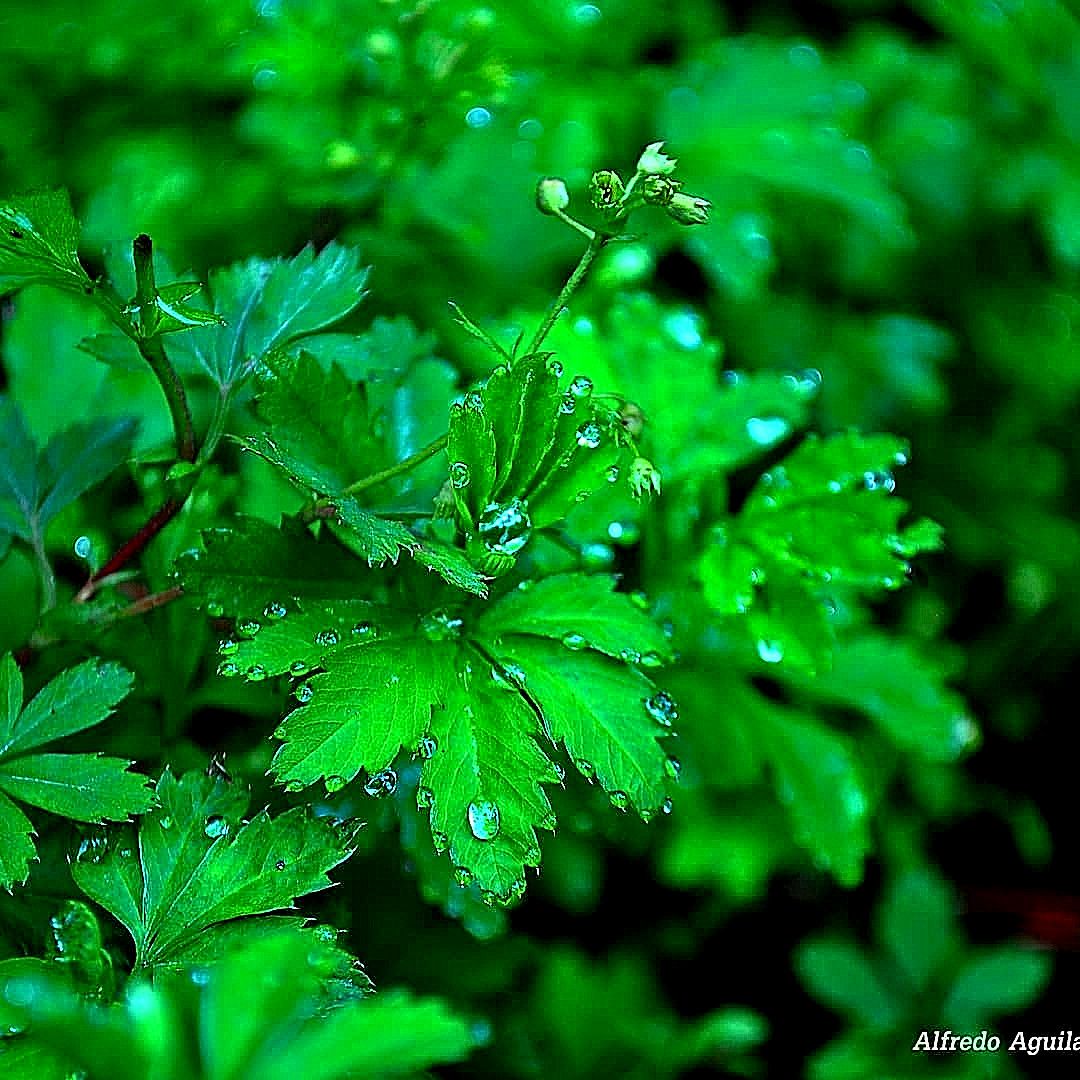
[364, 631]
[216, 826]
[427, 746]
[586, 768]
[612, 474]
[651, 660]
[672, 767]
[441, 625]
[463, 876]
[771, 652]
[327, 638]
[275, 611]
[555, 367]
[662, 708]
[484, 819]
[765, 431]
[619, 799]
[425, 798]
[581, 386]
[215, 610]
[440, 840]
[279, 865]
[568, 404]
[227, 669]
[303, 693]
[298, 667]
[382, 783]
[248, 627]
[227, 646]
[474, 401]
[589, 435]
[505, 527]
[574, 641]
[280, 732]
[630, 656]
[334, 784]
[667, 805]
[459, 475]
[293, 786]
[255, 673]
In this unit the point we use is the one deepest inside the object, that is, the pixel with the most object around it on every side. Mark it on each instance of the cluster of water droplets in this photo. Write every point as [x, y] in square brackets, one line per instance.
[441, 625]
[382, 783]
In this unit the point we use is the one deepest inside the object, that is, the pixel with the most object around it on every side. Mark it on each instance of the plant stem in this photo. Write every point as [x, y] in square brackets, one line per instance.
[151, 601]
[45, 570]
[596, 245]
[408, 463]
[157, 521]
[153, 352]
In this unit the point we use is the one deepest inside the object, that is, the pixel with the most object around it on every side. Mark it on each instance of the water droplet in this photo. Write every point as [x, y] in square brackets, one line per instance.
[879, 481]
[574, 641]
[586, 768]
[662, 708]
[484, 819]
[215, 610]
[765, 431]
[555, 368]
[281, 732]
[298, 667]
[255, 673]
[325, 934]
[587, 14]
[248, 627]
[459, 475]
[216, 826]
[629, 656]
[334, 784]
[651, 660]
[581, 386]
[478, 117]
[673, 767]
[228, 669]
[508, 677]
[427, 746]
[293, 786]
[304, 693]
[425, 798]
[900, 458]
[589, 435]
[93, 848]
[568, 404]
[667, 805]
[441, 625]
[279, 865]
[597, 556]
[326, 639]
[771, 652]
[505, 528]
[227, 646]
[382, 783]
[560, 772]
[440, 840]
[463, 876]
[620, 800]
[612, 474]
[684, 328]
[275, 611]
[474, 401]
[83, 547]
[364, 630]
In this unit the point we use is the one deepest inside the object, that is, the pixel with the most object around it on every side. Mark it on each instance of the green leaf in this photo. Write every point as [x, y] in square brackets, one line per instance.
[35, 486]
[994, 982]
[844, 977]
[171, 314]
[39, 241]
[399, 683]
[817, 779]
[192, 863]
[83, 787]
[567, 604]
[901, 687]
[917, 925]
[485, 778]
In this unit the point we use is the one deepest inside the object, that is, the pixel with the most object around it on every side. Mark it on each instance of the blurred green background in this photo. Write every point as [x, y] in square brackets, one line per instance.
[896, 215]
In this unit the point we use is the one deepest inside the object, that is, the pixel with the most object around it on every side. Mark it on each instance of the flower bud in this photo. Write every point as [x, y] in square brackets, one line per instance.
[644, 477]
[653, 162]
[605, 189]
[633, 419]
[551, 195]
[689, 209]
[659, 190]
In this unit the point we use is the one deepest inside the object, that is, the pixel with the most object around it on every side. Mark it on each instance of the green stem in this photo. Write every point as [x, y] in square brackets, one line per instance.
[408, 463]
[45, 570]
[153, 352]
[596, 245]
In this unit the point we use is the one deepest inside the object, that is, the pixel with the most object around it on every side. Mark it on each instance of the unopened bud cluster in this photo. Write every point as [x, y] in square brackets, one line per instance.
[651, 185]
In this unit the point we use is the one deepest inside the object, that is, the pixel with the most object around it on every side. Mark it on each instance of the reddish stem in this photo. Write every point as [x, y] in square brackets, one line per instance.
[126, 552]
[151, 601]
